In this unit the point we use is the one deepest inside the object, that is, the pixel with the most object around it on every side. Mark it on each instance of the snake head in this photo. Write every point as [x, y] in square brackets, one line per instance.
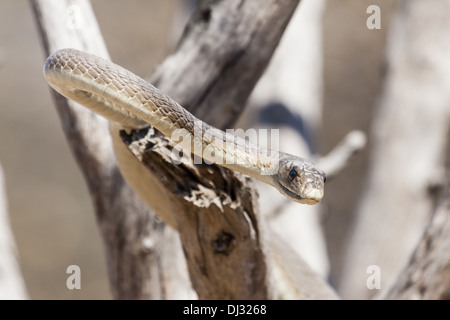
[299, 180]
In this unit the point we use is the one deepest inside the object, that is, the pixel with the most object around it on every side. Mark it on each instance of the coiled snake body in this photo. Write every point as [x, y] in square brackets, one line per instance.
[124, 98]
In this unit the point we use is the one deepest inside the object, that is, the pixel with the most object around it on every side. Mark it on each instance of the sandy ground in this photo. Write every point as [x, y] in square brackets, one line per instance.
[39, 167]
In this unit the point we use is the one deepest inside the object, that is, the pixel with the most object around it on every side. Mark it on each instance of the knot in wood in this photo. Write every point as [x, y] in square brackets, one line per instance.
[224, 243]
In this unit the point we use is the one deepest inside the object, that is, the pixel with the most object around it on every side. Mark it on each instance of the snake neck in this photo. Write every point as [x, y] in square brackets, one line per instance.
[212, 145]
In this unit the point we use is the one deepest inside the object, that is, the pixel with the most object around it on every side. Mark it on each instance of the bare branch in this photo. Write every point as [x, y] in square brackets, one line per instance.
[225, 48]
[129, 230]
[427, 276]
[339, 158]
[221, 192]
[214, 209]
[294, 277]
[408, 145]
[11, 282]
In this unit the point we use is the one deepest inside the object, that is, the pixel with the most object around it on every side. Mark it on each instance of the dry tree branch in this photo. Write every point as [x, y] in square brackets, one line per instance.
[224, 50]
[340, 156]
[427, 275]
[409, 139]
[11, 282]
[131, 233]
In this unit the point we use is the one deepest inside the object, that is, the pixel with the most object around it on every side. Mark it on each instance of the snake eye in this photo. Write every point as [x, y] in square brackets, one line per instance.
[292, 174]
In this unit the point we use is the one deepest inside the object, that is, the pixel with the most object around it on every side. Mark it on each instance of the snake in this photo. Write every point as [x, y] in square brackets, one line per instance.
[126, 99]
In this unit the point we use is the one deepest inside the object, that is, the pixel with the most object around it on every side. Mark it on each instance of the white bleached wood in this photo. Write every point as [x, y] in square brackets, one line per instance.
[12, 286]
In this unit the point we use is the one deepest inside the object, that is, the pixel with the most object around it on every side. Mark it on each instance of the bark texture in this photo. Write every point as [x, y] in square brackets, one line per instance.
[215, 209]
[288, 98]
[129, 230]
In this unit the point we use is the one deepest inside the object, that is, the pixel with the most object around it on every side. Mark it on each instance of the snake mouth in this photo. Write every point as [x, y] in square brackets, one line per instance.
[295, 197]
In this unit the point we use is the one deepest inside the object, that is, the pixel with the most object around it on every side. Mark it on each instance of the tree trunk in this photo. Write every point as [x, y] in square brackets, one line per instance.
[408, 148]
[131, 233]
[427, 276]
[288, 98]
[228, 43]
[11, 283]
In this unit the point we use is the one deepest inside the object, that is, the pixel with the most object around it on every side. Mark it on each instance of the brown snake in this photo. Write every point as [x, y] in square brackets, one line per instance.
[126, 99]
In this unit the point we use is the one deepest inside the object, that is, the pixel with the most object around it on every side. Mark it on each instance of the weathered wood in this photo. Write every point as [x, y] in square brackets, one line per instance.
[224, 50]
[227, 79]
[409, 141]
[427, 275]
[129, 230]
[213, 208]
[11, 282]
[295, 278]
[215, 212]
[288, 99]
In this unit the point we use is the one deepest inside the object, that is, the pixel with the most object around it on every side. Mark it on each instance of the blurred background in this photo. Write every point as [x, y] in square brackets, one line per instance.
[39, 168]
